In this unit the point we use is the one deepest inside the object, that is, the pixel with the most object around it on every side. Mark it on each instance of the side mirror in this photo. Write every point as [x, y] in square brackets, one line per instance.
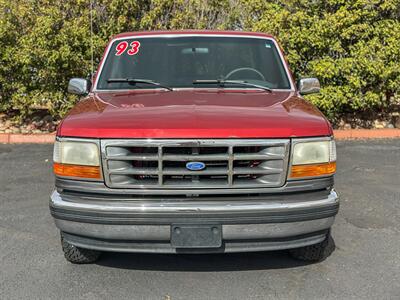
[309, 86]
[78, 86]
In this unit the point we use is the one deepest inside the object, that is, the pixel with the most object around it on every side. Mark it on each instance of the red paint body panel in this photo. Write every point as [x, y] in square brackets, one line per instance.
[194, 113]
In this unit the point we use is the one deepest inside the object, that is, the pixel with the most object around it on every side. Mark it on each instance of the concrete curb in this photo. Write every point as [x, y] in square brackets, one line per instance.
[40, 138]
[48, 138]
[367, 134]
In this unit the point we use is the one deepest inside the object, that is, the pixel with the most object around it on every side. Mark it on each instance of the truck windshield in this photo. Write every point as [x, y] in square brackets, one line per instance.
[181, 61]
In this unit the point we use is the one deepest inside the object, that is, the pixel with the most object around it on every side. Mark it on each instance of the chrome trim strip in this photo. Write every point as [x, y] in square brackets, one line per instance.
[190, 207]
[283, 61]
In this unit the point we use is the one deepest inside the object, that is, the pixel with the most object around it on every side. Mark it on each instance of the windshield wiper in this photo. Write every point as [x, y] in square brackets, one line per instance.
[133, 81]
[222, 82]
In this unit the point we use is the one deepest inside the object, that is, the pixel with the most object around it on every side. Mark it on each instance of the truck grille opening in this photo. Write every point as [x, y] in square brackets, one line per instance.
[162, 163]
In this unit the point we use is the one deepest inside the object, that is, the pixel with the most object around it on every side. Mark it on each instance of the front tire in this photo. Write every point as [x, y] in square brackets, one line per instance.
[78, 255]
[316, 252]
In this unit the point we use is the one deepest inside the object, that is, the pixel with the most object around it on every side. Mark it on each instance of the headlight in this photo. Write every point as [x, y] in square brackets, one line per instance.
[313, 158]
[76, 153]
[76, 159]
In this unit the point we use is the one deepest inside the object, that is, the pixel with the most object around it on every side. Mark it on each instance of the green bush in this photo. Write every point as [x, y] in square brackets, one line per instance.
[351, 46]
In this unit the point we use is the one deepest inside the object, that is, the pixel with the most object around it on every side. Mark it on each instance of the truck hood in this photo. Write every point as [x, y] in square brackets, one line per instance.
[194, 113]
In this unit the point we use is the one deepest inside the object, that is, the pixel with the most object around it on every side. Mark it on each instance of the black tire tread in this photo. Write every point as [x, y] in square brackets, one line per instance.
[316, 252]
[78, 255]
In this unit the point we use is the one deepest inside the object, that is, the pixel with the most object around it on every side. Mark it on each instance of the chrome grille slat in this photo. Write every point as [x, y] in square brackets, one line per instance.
[204, 157]
[144, 171]
[134, 157]
[204, 185]
[161, 164]
[242, 171]
[256, 156]
[181, 171]
[230, 166]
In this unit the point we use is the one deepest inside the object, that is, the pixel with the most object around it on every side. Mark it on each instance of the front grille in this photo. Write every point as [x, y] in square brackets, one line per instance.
[162, 163]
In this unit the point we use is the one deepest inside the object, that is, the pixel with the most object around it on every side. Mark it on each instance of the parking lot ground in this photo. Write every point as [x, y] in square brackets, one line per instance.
[365, 265]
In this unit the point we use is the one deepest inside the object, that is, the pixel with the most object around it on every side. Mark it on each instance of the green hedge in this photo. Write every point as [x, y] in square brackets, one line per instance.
[352, 46]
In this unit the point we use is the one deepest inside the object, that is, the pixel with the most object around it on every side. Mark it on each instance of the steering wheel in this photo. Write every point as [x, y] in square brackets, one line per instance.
[245, 69]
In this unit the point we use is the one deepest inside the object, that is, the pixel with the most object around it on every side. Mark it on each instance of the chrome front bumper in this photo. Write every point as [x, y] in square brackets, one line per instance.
[280, 222]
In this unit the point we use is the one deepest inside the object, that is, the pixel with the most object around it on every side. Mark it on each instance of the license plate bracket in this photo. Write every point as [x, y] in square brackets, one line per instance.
[196, 236]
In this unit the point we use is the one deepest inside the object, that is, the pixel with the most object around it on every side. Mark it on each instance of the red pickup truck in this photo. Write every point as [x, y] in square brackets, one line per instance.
[194, 142]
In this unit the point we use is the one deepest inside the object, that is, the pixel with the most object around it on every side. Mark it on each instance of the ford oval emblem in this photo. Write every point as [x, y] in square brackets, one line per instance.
[195, 166]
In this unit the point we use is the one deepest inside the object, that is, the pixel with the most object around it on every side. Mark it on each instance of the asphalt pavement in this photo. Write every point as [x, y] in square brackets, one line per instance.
[365, 265]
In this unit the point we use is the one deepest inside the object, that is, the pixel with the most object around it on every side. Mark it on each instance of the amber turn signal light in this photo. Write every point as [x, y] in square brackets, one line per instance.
[92, 172]
[300, 171]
